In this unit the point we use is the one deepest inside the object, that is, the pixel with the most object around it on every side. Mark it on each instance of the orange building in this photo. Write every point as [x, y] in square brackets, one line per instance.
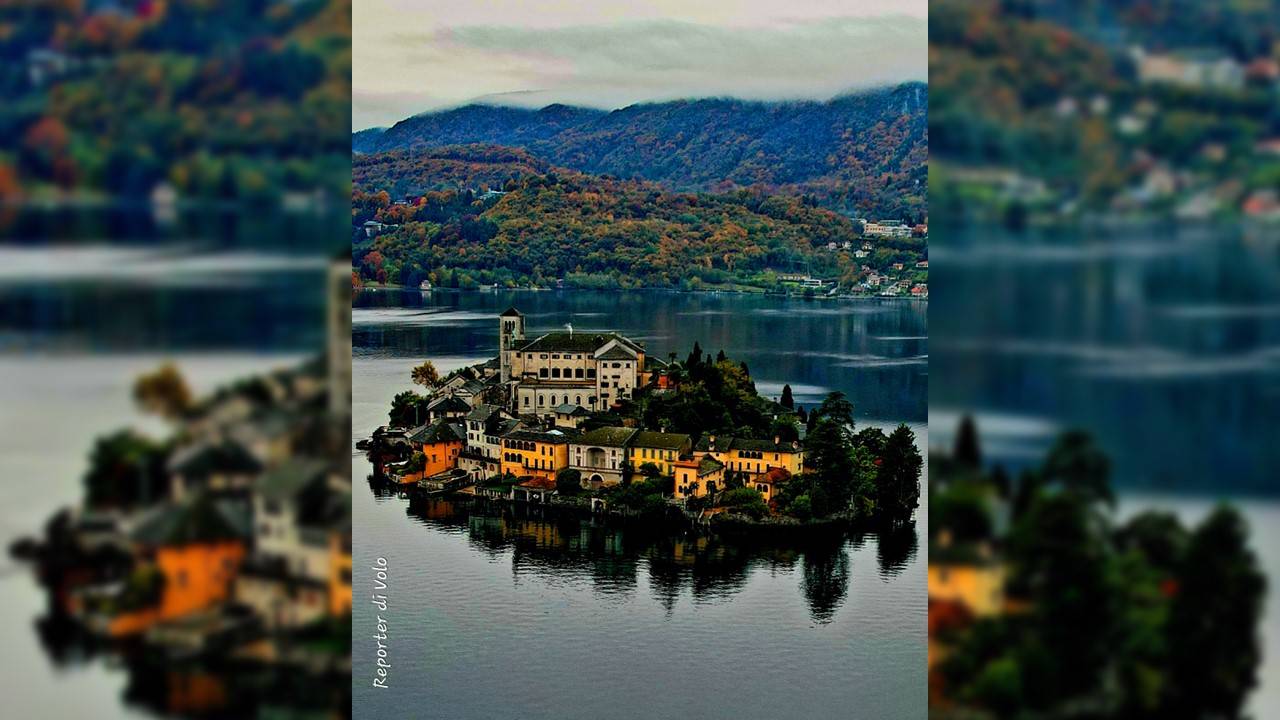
[340, 572]
[440, 443]
[197, 550]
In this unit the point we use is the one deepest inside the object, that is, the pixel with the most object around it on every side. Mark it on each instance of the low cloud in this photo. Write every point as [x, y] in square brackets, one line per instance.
[610, 66]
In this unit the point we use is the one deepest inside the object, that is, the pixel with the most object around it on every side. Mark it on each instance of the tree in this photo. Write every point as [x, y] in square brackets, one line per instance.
[838, 408]
[426, 375]
[125, 469]
[408, 409]
[784, 428]
[163, 392]
[1077, 465]
[569, 482]
[1214, 649]
[828, 449]
[898, 481]
[1064, 567]
[967, 451]
[787, 401]
[650, 470]
[694, 362]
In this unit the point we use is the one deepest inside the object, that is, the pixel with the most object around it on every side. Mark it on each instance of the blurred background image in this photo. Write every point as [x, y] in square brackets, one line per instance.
[1105, 375]
[175, 354]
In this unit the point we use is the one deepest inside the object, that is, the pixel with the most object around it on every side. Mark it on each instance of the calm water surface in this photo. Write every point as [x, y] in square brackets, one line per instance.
[512, 614]
[85, 306]
[1162, 340]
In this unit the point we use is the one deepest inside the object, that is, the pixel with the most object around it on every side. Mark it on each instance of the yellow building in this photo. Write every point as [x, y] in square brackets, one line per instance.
[979, 586]
[661, 449]
[698, 476]
[753, 458]
[770, 483]
[961, 590]
[534, 453]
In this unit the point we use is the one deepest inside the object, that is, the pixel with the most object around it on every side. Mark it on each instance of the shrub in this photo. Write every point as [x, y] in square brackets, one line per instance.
[747, 501]
[801, 507]
[569, 482]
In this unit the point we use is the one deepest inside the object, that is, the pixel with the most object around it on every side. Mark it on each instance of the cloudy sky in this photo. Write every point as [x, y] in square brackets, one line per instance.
[418, 55]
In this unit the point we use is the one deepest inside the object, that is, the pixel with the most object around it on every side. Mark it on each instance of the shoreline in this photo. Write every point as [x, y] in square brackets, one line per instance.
[761, 293]
[736, 528]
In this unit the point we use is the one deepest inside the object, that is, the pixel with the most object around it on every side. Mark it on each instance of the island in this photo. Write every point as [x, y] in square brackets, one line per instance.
[590, 422]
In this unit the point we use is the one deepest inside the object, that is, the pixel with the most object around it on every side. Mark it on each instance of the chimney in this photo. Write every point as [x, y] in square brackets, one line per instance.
[777, 440]
[711, 442]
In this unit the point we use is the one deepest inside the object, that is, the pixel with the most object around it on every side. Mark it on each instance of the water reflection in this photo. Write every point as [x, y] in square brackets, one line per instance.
[1162, 340]
[610, 555]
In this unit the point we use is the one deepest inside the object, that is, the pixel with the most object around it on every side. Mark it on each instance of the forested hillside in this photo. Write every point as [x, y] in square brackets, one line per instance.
[230, 100]
[407, 173]
[864, 154]
[593, 231]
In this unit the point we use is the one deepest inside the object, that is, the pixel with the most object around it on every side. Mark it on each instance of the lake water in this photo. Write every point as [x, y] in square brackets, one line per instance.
[1163, 341]
[511, 614]
[82, 313]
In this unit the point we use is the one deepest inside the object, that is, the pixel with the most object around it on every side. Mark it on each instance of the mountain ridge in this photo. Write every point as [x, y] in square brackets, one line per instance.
[862, 153]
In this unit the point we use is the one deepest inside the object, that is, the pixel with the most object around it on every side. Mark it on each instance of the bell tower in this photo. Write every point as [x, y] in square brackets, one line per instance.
[510, 337]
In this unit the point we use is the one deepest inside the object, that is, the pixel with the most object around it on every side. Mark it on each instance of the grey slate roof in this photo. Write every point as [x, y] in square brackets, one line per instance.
[482, 412]
[290, 477]
[582, 342]
[606, 437]
[439, 431]
[208, 458]
[199, 521]
[546, 436]
[449, 404]
[617, 352]
[731, 443]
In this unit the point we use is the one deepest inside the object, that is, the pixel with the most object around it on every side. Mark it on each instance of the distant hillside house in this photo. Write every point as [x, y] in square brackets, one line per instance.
[1190, 68]
[887, 229]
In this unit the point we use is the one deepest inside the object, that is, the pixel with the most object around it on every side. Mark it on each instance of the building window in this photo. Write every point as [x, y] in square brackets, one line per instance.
[617, 365]
[543, 356]
[540, 399]
[578, 398]
[591, 373]
[577, 373]
[555, 372]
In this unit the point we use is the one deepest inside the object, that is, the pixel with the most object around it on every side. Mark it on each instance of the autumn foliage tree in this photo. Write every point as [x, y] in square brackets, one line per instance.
[426, 375]
[163, 392]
